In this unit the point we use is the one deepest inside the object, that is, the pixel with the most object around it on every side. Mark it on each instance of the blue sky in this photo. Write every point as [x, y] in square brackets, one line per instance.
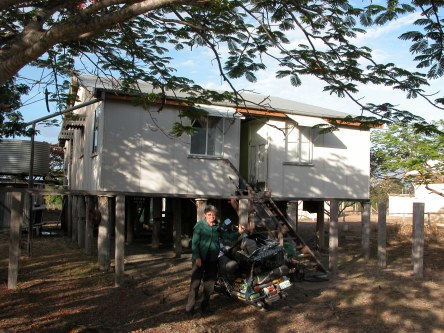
[386, 48]
[199, 66]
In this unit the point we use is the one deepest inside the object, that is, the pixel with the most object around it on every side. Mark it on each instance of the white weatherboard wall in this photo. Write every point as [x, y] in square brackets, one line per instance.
[138, 155]
[84, 169]
[340, 169]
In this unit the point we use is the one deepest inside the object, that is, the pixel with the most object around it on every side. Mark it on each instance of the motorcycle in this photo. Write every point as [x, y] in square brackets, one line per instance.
[254, 272]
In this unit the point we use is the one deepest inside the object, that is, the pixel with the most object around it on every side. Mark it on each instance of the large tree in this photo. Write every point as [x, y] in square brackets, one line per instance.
[400, 154]
[133, 39]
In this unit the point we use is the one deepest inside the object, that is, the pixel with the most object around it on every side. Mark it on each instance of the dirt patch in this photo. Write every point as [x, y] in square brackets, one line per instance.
[61, 290]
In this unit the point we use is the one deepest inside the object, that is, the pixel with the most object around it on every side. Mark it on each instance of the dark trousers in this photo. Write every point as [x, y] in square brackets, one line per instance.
[208, 273]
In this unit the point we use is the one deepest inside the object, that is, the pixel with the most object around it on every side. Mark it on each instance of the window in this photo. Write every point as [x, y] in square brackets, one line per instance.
[208, 138]
[95, 138]
[299, 144]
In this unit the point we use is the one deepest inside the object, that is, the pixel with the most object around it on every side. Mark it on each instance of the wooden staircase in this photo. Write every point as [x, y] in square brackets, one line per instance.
[268, 219]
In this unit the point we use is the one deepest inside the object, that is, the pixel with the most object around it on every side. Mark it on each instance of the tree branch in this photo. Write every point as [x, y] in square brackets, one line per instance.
[34, 42]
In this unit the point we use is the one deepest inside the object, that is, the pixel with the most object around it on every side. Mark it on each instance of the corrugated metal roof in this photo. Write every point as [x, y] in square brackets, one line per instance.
[253, 101]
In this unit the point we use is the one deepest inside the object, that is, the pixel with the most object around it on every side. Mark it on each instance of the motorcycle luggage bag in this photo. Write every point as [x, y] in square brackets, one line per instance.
[268, 257]
[263, 260]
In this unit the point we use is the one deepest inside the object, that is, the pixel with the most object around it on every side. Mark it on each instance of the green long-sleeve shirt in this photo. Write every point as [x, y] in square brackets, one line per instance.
[205, 243]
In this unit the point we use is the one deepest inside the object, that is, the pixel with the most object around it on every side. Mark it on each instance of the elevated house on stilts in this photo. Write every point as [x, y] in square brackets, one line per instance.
[269, 156]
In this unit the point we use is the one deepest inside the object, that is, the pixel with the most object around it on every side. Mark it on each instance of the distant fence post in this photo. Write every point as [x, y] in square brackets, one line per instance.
[366, 211]
[418, 239]
[333, 236]
[382, 235]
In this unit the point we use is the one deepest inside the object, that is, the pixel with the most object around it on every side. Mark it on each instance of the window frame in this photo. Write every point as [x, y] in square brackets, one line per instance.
[305, 137]
[218, 140]
[81, 142]
[95, 132]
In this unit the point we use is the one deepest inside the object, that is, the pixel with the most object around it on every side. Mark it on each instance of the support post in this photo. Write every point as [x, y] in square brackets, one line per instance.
[146, 214]
[382, 235]
[244, 209]
[201, 204]
[14, 238]
[27, 217]
[333, 240]
[103, 241]
[89, 226]
[75, 222]
[132, 216]
[177, 226]
[29, 204]
[69, 217]
[120, 240]
[81, 227]
[157, 218]
[292, 213]
[418, 239]
[320, 225]
[366, 210]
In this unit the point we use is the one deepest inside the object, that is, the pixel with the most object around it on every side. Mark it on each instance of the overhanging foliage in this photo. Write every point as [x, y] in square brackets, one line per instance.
[133, 40]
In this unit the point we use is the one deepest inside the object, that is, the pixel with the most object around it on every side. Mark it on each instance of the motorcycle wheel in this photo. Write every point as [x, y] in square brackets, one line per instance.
[262, 306]
[220, 287]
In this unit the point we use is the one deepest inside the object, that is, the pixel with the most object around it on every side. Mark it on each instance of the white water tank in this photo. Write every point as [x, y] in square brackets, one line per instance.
[15, 157]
